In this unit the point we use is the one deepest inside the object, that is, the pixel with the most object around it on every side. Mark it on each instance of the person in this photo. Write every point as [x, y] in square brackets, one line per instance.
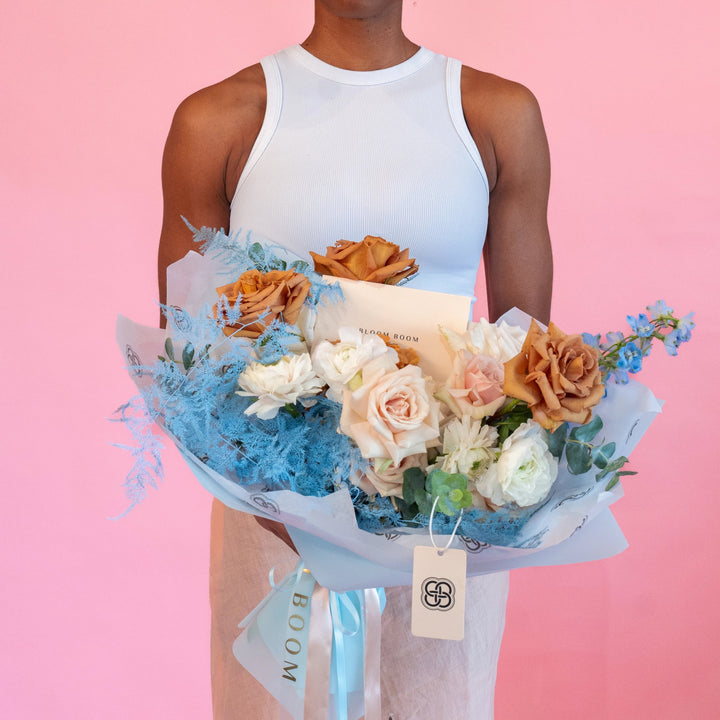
[359, 131]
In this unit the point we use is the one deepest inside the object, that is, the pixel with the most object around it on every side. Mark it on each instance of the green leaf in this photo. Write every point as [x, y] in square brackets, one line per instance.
[169, 349]
[556, 440]
[601, 455]
[413, 478]
[450, 490]
[611, 467]
[300, 266]
[277, 264]
[579, 458]
[613, 482]
[188, 354]
[292, 410]
[585, 433]
[257, 254]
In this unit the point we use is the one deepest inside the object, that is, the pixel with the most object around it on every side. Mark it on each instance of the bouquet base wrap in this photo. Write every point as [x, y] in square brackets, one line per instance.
[315, 650]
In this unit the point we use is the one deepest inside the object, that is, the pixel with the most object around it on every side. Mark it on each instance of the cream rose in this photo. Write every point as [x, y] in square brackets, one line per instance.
[286, 381]
[524, 472]
[392, 415]
[339, 363]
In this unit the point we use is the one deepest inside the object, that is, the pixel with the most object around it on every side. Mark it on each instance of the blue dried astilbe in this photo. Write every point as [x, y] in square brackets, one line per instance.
[193, 392]
[145, 449]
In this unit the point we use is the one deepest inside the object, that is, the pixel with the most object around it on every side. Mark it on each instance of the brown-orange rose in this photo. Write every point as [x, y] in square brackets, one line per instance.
[557, 375]
[274, 294]
[372, 260]
[406, 355]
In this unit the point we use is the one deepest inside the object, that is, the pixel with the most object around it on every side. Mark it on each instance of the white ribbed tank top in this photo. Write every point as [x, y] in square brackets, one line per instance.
[343, 154]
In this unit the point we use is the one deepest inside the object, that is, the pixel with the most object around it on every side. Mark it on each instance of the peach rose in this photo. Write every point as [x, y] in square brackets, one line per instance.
[475, 387]
[391, 415]
[277, 294]
[557, 375]
[387, 479]
[372, 260]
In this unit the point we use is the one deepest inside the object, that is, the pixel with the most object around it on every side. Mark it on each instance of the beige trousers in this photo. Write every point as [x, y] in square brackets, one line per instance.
[421, 679]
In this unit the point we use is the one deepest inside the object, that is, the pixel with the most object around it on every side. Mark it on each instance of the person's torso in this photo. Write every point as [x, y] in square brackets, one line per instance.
[344, 154]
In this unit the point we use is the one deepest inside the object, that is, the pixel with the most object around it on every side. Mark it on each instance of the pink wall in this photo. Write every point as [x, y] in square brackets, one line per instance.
[110, 620]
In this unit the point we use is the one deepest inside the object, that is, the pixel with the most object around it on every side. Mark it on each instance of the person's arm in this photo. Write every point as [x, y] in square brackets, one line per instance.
[209, 141]
[518, 259]
[208, 144]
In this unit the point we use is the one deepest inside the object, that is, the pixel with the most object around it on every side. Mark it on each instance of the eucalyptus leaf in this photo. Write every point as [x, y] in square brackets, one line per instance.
[613, 482]
[188, 354]
[556, 440]
[579, 458]
[300, 266]
[169, 349]
[257, 254]
[601, 455]
[585, 433]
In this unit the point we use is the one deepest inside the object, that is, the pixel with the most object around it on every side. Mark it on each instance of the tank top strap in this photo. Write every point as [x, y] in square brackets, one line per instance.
[453, 76]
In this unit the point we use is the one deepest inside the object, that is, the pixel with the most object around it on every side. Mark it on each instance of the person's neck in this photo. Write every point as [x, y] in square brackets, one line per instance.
[370, 43]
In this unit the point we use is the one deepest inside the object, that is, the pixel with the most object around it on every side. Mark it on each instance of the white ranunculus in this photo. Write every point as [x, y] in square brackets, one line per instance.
[286, 381]
[524, 472]
[468, 447]
[338, 363]
[499, 341]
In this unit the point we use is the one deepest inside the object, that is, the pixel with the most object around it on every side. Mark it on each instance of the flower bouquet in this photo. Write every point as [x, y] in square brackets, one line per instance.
[364, 415]
[284, 408]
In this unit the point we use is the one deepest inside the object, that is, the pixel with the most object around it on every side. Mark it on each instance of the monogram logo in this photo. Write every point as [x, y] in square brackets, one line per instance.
[389, 535]
[133, 360]
[473, 546]
[266, 504]
[180, 318]
[437, 594]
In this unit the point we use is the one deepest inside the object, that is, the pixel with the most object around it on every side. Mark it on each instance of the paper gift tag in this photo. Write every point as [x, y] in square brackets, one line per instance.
[438, 599]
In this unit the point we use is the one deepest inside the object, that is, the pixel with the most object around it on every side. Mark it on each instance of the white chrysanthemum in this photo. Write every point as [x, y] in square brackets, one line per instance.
[524, 472]
[338, 363]
[468, 447]
[286, 381]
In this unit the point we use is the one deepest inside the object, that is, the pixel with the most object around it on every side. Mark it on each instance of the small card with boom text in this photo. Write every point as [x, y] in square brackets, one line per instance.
[438, 595]
[406, 315]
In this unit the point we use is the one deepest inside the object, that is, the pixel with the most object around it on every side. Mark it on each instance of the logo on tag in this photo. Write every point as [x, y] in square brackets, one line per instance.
[438, 594]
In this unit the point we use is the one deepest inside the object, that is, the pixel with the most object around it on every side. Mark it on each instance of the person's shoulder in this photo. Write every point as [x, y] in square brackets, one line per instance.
[229, 106]
[505, 121]
[497, 99]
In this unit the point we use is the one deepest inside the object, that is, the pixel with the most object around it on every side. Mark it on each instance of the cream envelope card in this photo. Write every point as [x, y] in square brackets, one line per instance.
[408, 316]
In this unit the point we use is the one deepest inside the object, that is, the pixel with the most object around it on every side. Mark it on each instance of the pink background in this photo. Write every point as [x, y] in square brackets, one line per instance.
[110, 619]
